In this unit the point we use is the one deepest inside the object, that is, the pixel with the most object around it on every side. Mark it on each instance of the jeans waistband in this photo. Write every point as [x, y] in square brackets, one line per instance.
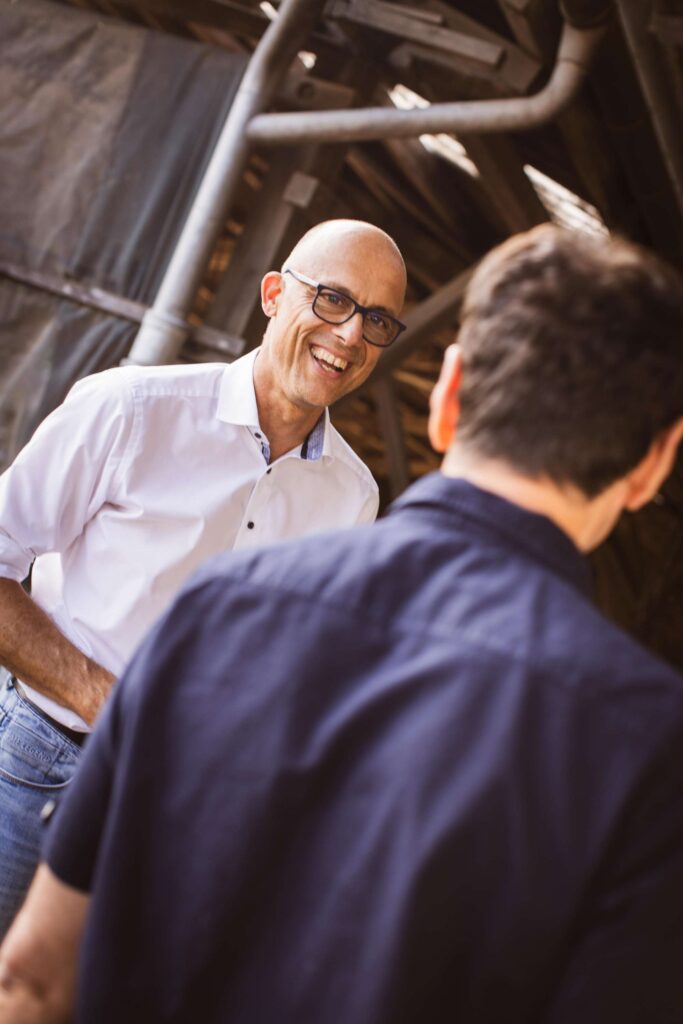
[76, 737]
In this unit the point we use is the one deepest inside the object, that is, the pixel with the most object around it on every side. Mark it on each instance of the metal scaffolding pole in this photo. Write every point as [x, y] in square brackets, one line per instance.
[521, 113]
[164, 326]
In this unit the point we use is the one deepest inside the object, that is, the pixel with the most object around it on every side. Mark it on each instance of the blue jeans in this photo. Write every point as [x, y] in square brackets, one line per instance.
[36, 765]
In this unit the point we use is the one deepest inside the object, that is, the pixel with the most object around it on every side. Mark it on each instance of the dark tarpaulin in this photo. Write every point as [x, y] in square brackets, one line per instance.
[105, 129]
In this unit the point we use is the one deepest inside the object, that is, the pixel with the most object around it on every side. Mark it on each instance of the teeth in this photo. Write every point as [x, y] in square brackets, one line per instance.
[326, 357]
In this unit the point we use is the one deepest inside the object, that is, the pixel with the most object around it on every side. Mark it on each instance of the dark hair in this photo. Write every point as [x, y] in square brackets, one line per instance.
[572, 356]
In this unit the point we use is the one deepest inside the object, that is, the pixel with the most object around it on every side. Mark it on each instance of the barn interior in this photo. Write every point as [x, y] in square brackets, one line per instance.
[451, 125]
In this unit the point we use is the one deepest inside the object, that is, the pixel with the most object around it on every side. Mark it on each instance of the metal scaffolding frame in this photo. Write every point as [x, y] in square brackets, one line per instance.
[165, 327]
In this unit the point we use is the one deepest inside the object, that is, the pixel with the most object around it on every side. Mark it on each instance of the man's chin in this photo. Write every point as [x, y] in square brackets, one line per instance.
[319, 395]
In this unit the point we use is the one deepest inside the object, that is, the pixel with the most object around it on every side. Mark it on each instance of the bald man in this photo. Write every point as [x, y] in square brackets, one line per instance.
[143, 473]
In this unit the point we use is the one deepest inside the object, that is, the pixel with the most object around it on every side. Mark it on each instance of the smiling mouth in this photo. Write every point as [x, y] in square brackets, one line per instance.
[335, 364]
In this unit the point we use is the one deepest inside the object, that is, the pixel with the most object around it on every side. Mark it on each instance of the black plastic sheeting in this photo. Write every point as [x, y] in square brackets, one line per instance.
[105, 129]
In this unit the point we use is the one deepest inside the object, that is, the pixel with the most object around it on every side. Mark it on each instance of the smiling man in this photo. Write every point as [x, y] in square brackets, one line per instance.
[332, 309]
[144, 472]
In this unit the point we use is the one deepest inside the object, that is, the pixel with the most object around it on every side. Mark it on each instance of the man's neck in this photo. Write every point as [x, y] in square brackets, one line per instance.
[586, 521]
[285, 424]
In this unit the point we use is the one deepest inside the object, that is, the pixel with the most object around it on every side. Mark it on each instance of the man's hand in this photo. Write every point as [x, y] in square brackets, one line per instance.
[34, 650]
[38, 958]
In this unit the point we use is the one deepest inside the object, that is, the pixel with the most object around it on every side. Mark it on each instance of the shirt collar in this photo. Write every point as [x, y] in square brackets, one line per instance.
[318, 441]
[237, 405]
[237, 398]
[535, 534]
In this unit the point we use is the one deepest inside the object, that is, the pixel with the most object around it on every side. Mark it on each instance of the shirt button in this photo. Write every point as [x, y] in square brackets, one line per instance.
[250, 526]
[269, 470]
[256, 434]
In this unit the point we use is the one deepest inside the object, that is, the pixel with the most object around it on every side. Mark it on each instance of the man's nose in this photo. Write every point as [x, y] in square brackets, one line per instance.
[351, 331]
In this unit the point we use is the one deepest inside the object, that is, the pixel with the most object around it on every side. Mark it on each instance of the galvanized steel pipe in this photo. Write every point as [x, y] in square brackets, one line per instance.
[575, 51]
[164, 326]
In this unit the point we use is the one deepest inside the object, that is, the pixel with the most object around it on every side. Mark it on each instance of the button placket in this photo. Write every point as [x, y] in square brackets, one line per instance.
[252, 512]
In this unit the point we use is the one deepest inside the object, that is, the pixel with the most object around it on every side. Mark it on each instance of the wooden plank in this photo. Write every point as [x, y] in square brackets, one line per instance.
[668, 27]
[425, 319]
[509, 191]
[413, 380]
[115, 305]
[376, 176]
[307, 92]
[418, 167]
[427, 260]
[392, 432]
[530, 21]
[397, 21]
[515, 75]
[583, 134]
[669, 31]
[224, 14]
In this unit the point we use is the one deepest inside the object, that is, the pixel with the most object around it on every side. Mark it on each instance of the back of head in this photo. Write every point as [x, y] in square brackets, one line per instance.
[572, 352]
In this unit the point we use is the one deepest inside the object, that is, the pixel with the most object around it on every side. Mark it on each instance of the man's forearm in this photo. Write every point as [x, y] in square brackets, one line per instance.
[36, 651]
[39, 956]
[22, 1002]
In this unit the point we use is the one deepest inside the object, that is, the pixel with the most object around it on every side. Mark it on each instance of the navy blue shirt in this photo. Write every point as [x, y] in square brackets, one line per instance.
[403, 774]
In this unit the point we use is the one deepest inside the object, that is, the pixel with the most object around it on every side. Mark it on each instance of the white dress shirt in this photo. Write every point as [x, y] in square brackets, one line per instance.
[140, 475]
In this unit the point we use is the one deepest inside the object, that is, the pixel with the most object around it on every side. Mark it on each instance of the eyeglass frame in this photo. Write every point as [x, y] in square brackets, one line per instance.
[357, 308]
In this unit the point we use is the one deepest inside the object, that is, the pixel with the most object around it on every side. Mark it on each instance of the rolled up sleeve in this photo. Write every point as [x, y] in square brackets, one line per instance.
[64, 474]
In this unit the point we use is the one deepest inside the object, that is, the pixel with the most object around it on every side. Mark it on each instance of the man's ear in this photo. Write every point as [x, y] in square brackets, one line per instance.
[271, 289]
[444, 407]
[644, 481]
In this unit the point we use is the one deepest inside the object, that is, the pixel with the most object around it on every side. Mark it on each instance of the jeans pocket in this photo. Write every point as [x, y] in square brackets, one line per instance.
[33, 760]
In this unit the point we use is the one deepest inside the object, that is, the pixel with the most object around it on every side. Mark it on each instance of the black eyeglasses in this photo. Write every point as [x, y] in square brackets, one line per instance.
[336, 308]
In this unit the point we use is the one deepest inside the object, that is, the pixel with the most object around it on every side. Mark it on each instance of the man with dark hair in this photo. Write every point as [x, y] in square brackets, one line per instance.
[584, 344]
[407, 773]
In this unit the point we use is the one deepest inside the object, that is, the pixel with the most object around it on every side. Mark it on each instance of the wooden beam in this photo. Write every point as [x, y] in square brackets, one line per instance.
[424, 319]
[502, 177]
[532, 23]
[518, 70]
[392, 432]
[668, 27]
[307, 92]
[115, 305]
[224, 14]
[382, 181]
[399, 21]
[669, 32]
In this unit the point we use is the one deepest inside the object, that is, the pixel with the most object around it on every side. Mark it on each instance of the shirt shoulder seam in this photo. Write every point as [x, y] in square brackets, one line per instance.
[345, 454]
